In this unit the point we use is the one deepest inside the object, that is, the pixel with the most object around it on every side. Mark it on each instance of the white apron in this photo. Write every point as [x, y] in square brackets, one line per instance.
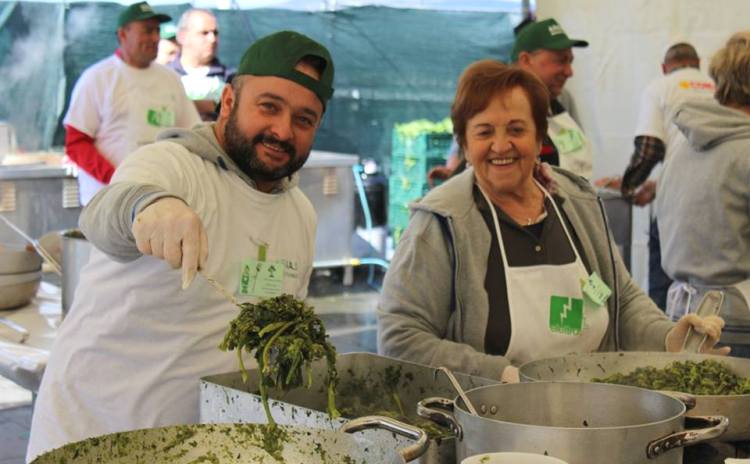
[549, 316]
[571, 143]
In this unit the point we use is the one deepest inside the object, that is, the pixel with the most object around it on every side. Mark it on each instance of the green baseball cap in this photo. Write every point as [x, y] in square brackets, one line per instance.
[277, 55]
[543, 35]
[168, 31]
[140, 12]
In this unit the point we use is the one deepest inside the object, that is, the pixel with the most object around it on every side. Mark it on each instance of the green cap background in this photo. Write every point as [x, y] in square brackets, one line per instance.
[277, 55]
[168, 31]
[543, 35]
[140, 12]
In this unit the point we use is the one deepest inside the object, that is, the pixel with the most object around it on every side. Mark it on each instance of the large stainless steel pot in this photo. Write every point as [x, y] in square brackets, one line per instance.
[581, 423]
[241, 443]
[584, 367]
[75, 253]
[363, 383]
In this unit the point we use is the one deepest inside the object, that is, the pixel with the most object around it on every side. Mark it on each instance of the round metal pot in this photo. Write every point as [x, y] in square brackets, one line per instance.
[75, 255]
[17, 259]
[242, 443]
[584, 367]
[18, 289]
[580, 423]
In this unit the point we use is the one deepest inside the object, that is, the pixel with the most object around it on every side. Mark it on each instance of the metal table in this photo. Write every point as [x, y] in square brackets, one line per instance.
[24, 363]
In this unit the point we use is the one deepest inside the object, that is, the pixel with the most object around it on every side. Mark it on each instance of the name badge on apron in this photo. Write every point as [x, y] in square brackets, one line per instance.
[160, 117]
[261, 278]
[568, 140]
[595, 290]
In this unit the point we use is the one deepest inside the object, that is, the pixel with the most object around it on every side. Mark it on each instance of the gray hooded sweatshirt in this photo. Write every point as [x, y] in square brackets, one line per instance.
[434, 307]
[703, 205]
[108, 219]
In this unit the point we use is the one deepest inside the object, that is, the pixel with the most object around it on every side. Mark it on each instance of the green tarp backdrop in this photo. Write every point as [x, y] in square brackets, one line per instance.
[392, 65]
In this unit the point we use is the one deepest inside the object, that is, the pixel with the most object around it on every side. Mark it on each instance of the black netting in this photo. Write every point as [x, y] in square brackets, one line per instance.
[392, 65]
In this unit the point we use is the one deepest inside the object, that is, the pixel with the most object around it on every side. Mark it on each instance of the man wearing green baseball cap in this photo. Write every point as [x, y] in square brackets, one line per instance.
[544, 49]
[221, 197]
[123, 101]
[169, 49]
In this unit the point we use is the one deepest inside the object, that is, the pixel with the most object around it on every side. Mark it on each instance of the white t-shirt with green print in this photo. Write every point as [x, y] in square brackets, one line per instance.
[123, 108]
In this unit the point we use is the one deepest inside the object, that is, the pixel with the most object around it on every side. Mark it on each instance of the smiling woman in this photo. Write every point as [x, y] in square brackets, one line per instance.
[502, 139]
[494, 270]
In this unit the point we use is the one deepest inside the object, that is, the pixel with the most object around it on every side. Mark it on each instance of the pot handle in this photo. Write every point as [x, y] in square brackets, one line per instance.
[717, 425]
[440, 411]
[409, 453]
[685, 398]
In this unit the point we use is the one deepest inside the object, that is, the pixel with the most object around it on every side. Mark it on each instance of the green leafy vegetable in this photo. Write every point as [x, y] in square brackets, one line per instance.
[707, 377]
[286, 336]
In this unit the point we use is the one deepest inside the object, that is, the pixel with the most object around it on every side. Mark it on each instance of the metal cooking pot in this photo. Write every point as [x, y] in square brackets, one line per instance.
[584, 367]
[18, 259]
[364, 383]
[20, 274]
[18, 289]
[581, 423]
[75, 252]
[241, 443]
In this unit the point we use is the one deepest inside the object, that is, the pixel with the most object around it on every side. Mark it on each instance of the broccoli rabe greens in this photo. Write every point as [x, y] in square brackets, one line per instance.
[286, 336]
[707, 377]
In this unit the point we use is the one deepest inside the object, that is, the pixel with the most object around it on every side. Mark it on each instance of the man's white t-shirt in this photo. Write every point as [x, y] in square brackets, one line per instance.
[200, 86]
[660, 99]
[132, 349]
[122, 108]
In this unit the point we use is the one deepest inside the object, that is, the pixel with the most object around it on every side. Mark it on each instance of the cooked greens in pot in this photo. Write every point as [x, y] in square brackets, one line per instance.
[285, 335]
[707, 377]
[377, 394]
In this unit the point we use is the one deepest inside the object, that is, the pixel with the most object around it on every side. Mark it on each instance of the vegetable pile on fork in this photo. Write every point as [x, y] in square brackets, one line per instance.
[286, 336]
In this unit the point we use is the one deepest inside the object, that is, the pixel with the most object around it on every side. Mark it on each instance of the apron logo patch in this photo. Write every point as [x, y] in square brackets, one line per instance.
[565, 315]
[160, 117]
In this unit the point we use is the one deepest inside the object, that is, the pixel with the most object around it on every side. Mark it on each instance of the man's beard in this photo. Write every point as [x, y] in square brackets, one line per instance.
[241, 150]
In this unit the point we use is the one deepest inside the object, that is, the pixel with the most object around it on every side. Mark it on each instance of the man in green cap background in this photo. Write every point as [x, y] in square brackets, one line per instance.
[168, 46]
[123, 101]
[543, 48]
[221, 198]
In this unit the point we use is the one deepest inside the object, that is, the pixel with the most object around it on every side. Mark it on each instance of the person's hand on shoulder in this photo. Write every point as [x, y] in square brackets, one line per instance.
[168, 229]
[441, 173]
[543, 175]
[709, 325]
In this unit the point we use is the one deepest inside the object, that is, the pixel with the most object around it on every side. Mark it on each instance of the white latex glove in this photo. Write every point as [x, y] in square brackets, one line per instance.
[710, 325]
[510, 375]
[168, 229]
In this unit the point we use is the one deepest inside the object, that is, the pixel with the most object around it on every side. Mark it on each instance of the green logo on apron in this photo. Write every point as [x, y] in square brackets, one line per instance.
[565, 315]
[160, 117]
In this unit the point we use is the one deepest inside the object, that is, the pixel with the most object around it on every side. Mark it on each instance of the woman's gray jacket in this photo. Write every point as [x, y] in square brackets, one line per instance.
[434, 308]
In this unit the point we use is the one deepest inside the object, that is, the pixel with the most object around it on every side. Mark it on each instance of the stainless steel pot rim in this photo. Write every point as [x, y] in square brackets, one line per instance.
[35, 269]
[638, 354]
[458, 404]
[20, 278]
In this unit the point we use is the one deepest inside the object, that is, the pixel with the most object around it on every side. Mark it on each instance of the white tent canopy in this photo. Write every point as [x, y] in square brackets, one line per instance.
[329, 5]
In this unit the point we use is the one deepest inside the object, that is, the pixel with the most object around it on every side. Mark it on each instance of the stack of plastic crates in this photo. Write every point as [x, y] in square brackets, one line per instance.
[417, 147]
